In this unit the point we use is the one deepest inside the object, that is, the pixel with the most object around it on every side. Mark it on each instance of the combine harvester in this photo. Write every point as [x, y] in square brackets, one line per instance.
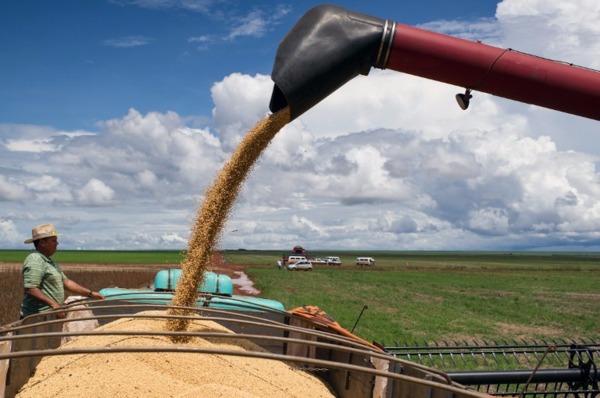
[326, 48]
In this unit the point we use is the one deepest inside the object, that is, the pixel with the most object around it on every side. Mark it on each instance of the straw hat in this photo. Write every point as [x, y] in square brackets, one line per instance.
[42, 231]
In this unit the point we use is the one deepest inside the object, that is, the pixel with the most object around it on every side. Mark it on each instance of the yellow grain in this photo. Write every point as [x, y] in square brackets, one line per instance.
[213, 213]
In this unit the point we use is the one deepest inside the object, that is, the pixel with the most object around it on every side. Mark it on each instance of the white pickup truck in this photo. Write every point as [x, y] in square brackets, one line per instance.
[333, 261]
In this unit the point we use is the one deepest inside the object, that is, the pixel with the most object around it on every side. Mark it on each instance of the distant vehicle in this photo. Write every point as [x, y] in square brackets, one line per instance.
[299, 250]
[315, 261]
[300, 266]
[365, 261]
[294, 259]
[333, 261]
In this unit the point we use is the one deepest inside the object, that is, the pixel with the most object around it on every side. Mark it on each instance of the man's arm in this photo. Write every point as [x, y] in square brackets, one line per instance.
[75, 287]
[37, 294]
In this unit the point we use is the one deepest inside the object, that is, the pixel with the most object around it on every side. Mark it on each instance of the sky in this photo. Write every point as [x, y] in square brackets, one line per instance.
[116, 116]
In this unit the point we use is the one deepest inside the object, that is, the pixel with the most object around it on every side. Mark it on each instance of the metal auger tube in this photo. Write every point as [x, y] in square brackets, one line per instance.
[330, 45]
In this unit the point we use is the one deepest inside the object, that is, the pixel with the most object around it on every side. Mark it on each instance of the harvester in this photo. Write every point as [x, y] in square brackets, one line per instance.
[325, 49]
[330, 45]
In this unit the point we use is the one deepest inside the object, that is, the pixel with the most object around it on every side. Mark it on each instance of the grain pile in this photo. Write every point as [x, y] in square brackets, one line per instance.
[149, 375]
[213, 213]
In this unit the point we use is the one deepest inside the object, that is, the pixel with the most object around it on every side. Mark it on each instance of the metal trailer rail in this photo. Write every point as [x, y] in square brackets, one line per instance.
[534, 368]
[352, 368]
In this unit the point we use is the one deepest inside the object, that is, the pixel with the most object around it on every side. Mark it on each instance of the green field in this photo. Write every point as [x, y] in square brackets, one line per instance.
[444, 296]
[415, 297]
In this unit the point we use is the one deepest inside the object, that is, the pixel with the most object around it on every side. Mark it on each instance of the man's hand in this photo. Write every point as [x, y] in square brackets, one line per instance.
[59, 315]
[95, 295]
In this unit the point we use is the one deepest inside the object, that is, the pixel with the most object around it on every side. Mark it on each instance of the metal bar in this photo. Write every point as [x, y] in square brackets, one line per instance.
[529, 346]
[252, 354]
[253, 321]
[451, 356]
[517, 376]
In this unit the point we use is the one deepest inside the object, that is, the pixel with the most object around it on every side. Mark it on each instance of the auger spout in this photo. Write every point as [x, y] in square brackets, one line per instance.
[326, 48]
[330, 45]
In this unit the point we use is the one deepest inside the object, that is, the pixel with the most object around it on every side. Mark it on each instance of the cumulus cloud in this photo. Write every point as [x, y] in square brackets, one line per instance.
[11, 190]
[387, 162]
[95, 193]
[563, 30]
[9, 233]
[240, 101]
[31, 146]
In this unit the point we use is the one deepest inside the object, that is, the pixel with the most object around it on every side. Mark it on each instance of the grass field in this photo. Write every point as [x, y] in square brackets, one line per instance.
[414, 296]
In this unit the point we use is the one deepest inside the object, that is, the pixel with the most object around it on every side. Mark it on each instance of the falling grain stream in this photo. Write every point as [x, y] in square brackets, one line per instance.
[215, 208]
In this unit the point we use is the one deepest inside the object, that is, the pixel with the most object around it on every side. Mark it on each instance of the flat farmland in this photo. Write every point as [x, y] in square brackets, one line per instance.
[407, 298]
[418, 297]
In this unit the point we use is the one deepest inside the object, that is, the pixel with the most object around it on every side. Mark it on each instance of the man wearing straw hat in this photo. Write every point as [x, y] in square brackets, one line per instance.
[44, 281]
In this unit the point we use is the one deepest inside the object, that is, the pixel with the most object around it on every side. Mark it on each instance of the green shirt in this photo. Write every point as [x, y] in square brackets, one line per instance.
[42, 272]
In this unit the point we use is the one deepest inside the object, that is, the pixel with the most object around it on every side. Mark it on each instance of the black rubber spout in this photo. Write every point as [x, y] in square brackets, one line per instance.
[326, 48]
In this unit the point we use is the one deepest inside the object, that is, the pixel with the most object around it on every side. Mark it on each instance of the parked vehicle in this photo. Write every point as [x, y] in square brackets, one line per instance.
[299, 250]
[300, 266]
[295, 259]
[365, 261]
[333, 261]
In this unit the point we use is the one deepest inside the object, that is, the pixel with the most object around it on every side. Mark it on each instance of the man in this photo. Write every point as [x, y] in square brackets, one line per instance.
[44, 281]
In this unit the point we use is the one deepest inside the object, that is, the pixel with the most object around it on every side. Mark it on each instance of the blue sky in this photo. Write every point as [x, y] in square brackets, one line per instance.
[115, 116]
[70, 64]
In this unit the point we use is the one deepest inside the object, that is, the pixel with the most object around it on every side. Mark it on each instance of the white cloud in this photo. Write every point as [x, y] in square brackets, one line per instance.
[485, 30]
[389, 161]
[252, 24]
[9, 233]
[397, 100]
[565, 30]
[127, 41]
[204, 41]
[171, 239]
[44, 183]
[240, 101]
[31, 146]
[192, 5]
[257, 22]
[490, 221]
[95, 193]
[12, 190]
[147, 179]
